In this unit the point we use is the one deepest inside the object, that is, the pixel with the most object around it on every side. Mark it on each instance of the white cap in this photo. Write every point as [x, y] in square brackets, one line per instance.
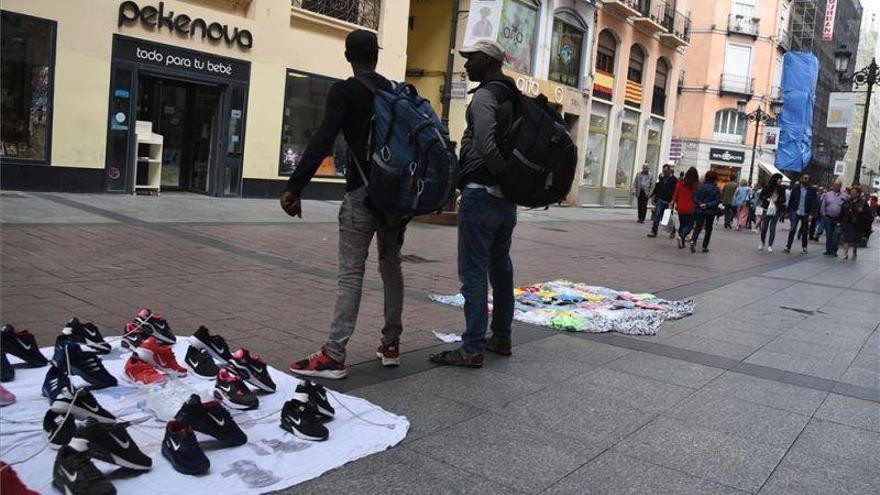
[485, 46]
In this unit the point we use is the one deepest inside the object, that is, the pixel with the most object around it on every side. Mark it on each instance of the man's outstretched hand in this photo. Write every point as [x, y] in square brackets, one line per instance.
[291, 204]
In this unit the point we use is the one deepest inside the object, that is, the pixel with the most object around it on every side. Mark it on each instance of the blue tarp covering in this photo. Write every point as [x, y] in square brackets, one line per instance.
[800, 73]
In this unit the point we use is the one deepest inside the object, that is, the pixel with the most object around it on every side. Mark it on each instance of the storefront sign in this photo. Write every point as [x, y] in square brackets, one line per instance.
[458, 90]
[530, 86]
[771, 138]
[170, 57]
[828, 25]
[841, 107]
[839, 167]
[150, 17]
[727, 156]
[484, 16]
[675, 150]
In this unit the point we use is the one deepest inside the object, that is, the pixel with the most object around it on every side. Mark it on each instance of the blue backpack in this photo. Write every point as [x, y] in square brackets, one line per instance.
[413, 168]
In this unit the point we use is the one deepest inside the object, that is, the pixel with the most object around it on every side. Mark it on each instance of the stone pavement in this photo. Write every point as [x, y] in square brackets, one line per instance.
[772, 386]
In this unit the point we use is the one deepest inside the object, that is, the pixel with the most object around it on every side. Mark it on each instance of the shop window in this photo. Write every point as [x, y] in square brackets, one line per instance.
[652, 153]
[730, 126]
[518, 34]
[661, 82]
[606, 52]
[27, 62]
[305, 100]
[626, 161]
[566, 49]
[597, 143]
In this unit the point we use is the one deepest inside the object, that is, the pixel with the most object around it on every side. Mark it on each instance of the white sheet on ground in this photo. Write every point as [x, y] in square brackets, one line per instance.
[272, 459]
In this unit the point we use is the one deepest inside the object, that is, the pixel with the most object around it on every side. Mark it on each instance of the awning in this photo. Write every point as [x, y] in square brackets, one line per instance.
[771, 169]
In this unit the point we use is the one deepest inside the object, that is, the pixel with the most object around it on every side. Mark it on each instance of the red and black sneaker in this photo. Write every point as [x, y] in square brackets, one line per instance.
[232, 392]
[389, 354]
[321, 365]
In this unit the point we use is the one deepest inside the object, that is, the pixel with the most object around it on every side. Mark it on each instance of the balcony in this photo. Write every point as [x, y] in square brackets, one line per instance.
[737, 84]
[622, 8]
[678, 28]
[364, 13]
[740, 24]
[651, 15]
[776, 93]
[723, 137]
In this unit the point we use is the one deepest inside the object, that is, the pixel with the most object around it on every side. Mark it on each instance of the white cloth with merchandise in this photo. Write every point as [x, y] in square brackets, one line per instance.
[273, 459]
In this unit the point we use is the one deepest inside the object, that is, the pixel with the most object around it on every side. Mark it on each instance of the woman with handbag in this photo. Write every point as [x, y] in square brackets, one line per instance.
[772, 201]
[855, 222]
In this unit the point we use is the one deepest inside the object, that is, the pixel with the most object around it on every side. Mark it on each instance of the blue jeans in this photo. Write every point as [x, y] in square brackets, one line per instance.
[820, 226]
[832, 235]
[805, 229]
[686, 224]
[659, 208]
[485, 227]
[768, 223]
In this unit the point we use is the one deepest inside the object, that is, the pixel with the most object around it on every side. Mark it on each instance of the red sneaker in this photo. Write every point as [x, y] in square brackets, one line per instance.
[10, 484]
[160, 356]
[140, 372]
[321, 365]
[389, 354]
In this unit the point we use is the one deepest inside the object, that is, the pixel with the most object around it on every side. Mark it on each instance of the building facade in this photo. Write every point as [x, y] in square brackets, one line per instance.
[736, 56]
[869, 48]
[637, 62]
[212, 96]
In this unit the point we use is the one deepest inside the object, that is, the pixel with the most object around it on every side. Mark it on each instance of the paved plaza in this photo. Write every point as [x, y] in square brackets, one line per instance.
[771, 387]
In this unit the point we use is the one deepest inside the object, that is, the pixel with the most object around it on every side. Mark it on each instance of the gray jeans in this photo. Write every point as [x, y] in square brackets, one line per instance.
[356, 227]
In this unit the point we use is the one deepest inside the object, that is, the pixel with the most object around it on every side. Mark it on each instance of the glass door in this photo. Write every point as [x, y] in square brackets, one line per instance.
[205, 105]
[232, 163]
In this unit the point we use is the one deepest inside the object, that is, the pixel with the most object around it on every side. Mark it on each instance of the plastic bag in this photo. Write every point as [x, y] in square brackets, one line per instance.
[667, 215]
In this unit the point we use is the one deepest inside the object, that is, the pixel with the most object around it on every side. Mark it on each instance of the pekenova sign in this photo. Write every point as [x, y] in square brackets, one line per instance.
[156, 17]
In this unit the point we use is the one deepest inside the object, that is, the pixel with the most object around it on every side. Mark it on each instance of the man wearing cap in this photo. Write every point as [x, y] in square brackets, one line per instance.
[349, 110]
[485, 218]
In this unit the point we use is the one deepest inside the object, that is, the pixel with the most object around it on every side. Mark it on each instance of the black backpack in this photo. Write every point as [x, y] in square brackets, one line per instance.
[540, 153]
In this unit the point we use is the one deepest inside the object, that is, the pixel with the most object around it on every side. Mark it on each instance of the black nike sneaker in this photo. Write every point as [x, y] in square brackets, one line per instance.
[300, 418]
[54, 382]
[133, 335]
[317, 398]
[201, 363]
[88, 334]
[156, 325]
[214, 344]
[77, 359]
[232, 392]
[57, 430]
[7, 372]
[211, 419]
[82, 404]
[112, 444]
[74, 473]
[23, 345]
[253, 370]
[183, 451]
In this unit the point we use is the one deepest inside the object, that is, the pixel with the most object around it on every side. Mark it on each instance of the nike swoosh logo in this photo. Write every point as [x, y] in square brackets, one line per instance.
[71, 477]
[174, 445]
[94, 410]
[192, 363]
[125, 445]
[218, 350]
[220, 422]
[27, 347]
[260, 369]
[225, 389]
[90, 332]
[295, 421]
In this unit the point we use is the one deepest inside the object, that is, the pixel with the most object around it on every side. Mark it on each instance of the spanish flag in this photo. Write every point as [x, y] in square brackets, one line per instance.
[603, 83]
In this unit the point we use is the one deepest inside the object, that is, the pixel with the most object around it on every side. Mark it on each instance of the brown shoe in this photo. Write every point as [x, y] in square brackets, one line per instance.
[458, 357]
[498, 346]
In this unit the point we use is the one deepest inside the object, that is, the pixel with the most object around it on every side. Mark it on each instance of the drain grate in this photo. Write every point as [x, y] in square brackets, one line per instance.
[412, 258]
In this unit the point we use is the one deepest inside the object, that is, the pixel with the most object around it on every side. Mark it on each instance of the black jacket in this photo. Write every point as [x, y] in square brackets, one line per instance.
[767, 192]
[810, 204]
[665, 188]
[489, 120]
[349, 110]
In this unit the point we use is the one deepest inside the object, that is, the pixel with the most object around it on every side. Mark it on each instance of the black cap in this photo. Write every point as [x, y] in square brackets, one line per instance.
[362, 42]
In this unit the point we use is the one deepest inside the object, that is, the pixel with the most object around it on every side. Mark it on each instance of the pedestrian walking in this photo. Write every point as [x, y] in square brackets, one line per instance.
[643, 188]
[662, 194]
[349, 111]
[727, 196]
[874, 209]
[817, 216]
[707, 197]
[801, 203]
[820, 227]
[755, 209]
[830, 208]
[772, 200]
[855, 222]
[485, 219]
[741, 201]
[683, 203]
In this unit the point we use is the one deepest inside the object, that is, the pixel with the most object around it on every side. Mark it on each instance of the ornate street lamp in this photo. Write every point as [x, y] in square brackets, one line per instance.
[868, 76]
[758, 116]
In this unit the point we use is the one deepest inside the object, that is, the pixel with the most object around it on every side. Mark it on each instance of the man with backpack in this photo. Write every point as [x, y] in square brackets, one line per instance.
[486, 219]
[350, 110]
